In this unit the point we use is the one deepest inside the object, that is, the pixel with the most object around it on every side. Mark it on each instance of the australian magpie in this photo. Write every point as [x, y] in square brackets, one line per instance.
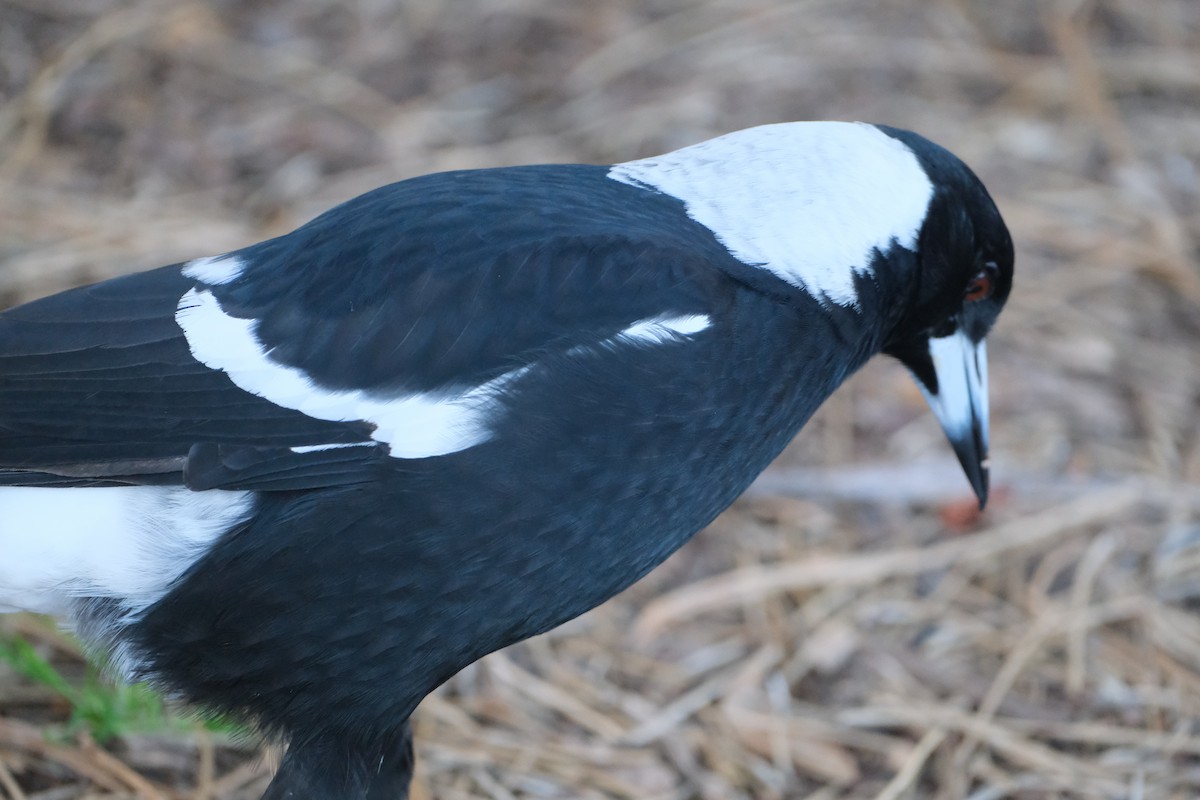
[309, 480]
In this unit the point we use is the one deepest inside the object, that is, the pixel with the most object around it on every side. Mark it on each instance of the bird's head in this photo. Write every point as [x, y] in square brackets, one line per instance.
[963, 275]
[889, 233]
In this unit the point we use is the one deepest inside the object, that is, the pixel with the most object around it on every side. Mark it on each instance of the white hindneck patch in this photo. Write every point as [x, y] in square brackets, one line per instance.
[807, 201]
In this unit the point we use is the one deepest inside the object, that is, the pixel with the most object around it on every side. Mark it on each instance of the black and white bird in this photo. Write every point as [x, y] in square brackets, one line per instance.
[309, 480]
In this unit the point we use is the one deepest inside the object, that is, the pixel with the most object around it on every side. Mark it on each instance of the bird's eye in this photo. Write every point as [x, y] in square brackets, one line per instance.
[981, 286]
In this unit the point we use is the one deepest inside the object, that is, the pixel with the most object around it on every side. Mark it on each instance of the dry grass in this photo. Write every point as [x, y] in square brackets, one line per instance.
[848, 630]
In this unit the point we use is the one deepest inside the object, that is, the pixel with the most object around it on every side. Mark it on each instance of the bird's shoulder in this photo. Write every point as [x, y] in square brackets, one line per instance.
[447, 278]
[380, 329]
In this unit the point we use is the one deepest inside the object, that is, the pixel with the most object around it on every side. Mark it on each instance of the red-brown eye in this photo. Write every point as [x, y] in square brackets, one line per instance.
[980, 287]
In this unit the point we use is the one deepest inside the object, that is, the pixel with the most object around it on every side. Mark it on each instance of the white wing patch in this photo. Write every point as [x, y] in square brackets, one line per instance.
[313, 448]
[657, 330]
[417, 425]
[807, 201]
[654, 330]
[215, 270]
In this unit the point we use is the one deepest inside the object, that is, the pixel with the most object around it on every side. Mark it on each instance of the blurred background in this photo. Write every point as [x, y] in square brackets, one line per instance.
[852, 628]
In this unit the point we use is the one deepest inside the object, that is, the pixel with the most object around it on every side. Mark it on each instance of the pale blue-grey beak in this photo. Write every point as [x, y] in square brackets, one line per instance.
[960, 402]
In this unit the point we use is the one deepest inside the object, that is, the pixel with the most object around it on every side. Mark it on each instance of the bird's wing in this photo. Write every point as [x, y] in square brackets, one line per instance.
[368, 335]
[98, 385]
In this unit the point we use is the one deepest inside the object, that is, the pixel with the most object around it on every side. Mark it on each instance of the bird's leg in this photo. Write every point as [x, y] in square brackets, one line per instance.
[395, 773]
[332, 767]
[312, 772]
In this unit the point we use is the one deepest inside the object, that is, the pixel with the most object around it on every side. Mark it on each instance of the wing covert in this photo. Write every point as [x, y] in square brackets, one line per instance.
[305, 360]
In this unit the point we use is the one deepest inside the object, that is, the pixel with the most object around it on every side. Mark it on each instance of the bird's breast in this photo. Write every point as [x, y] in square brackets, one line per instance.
[605, 463]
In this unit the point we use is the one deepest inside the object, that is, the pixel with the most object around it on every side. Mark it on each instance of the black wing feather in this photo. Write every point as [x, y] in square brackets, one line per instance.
[444, 281]
[455, 278]
[221, 466]
[98, 387]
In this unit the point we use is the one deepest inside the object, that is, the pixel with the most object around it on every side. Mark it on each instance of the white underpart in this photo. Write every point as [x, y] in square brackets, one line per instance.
[807, 201]
[215, 270]
[128, 543]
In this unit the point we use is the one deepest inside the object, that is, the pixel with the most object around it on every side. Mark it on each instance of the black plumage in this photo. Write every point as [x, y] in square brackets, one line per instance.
[358, 581]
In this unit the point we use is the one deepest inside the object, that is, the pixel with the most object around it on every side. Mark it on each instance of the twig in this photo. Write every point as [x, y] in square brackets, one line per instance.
[752, 584]
[9, 783]
[911, 770]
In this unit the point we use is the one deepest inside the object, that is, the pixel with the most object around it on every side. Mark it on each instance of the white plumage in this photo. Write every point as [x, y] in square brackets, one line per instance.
[809, 203]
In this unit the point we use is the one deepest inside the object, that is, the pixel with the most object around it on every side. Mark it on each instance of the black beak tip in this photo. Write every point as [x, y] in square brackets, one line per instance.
[979, 482]
[976, 468]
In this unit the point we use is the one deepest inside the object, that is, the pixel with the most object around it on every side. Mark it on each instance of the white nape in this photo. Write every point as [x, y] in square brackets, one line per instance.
[417, 425]
[214, 270]
[807, 201]
[126, 543]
